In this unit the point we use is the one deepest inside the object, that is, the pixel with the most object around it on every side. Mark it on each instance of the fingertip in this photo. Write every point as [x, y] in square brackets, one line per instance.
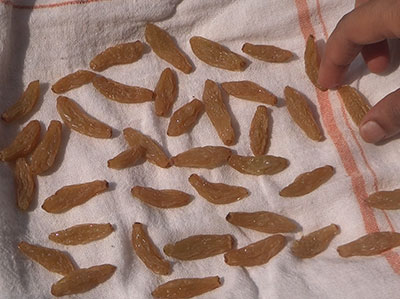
[328, 80]
[372, 132]
[324, 77]
[331, 74]
[378, 65]
[376, 56]
[383, 120]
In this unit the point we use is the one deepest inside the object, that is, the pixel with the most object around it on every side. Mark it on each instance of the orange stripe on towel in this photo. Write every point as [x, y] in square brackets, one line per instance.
[347, 122]
[343, 148]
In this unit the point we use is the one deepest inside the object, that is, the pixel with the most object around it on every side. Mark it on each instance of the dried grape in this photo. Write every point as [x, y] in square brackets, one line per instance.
[370, 244]
[354, 102]
[74, 80]
[71, 196]
[185, 118]
[307, 182]
[154, 153]
[301, 113]
[217, 193]
[262, 221]
[199, 247]
[217, 55]
[385, 200]
[247, 90]
[147, 251]
[122, 93]
[25, 103]
[260, 165]
[257, 253]
[203, 157]
[78, 120]
[82, 234]
[267, 53]
[46, 152]
[259, 135]
[51, 259]
[82, 280]
[118, 54]
[127, 158]
[315, 243]
[164, 199]
[218, 113]
[24, 143]
[312, 61]
[165, 48]
[186, 287]
[165, 93]
[25, 184]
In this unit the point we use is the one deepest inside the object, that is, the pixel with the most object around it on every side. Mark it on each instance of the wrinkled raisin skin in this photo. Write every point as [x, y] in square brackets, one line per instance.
[199, 247]
[186, 287]
[218, 112]
[216, 55]
[301, 114]
[257, 253]
[154, 153]
[25, 184]
[217, 193]
[262, 221]
[72, 81]
[370, 244]
[46, 152]
[117, 55]
[314, 243]
[164, 199]
[25, 103]
[307, 182]
[165, 93]
[82, 280]
[24, 143]
[267, 53]
[385, 200]
[53, 260]
[259, 134]
[184, 119]
[259, 165]
[71, 196]
[147, 251]
[250, 91]
[165, 48]
[354, 103]
[80, 121]
[312, 61]
[82, 234]
[203, 157]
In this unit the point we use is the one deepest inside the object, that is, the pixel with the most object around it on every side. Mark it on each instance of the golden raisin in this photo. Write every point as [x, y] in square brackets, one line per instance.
[147, 251]
[199, 247]
[25, 103]
[218, 113]
[217, 55]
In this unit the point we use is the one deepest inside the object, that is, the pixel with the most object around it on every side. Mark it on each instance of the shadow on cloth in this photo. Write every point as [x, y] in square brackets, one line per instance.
[12, 82]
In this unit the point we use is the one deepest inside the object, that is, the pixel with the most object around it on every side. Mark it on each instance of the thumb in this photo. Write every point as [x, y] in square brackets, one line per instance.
[383, 120]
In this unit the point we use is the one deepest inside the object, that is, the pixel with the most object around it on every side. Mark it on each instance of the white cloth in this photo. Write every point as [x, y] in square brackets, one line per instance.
[50, 41]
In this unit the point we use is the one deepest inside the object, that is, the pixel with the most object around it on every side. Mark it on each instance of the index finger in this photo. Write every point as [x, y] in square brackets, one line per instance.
[369, 23]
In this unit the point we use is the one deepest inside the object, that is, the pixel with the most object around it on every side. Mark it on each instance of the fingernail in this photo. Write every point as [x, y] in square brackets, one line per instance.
[372, 132]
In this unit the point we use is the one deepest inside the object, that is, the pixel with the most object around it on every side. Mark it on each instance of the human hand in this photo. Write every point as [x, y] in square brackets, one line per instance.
[366, 30]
